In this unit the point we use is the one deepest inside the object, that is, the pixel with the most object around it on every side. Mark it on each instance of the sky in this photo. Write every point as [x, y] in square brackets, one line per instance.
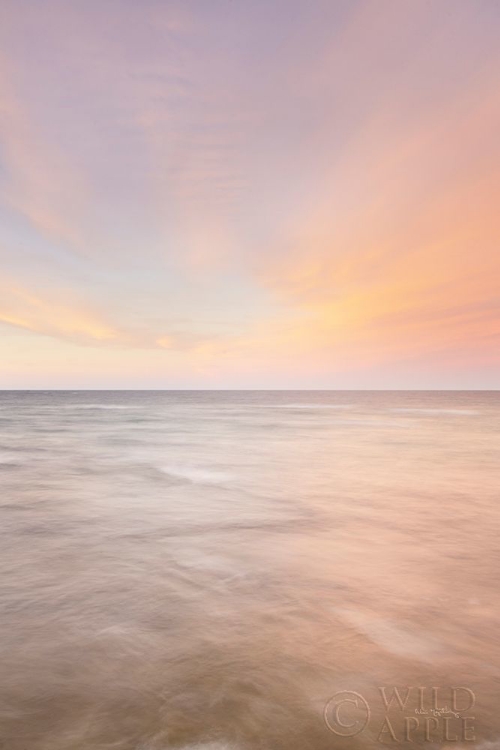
[249, 194]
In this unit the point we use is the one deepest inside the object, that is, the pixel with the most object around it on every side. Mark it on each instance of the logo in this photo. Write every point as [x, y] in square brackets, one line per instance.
[410, 714]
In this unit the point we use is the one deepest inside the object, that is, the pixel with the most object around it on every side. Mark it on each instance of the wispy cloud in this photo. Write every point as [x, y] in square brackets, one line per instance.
[57, 315]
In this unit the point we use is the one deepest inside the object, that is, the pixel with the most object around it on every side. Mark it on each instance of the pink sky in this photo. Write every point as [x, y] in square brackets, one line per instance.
[249, 194]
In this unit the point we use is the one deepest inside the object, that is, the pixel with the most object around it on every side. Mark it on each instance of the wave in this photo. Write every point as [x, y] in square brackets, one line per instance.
[217, 745]
[391, 637]
[304, 406]
[422, 410]
[101, 406]
[8, 459]
[363, 422]
[197, 475]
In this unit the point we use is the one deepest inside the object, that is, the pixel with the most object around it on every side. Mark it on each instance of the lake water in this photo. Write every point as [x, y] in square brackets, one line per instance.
[249, 569]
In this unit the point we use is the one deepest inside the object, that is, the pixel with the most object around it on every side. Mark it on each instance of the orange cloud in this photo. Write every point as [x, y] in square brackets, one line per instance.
[74, 322]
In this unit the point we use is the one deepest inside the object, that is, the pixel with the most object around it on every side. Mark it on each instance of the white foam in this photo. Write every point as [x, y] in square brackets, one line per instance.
[197, 475]
[101, 406]
[390, 637]
[7, 458]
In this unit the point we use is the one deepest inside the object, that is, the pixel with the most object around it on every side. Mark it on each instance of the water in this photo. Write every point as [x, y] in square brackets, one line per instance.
[208, 569]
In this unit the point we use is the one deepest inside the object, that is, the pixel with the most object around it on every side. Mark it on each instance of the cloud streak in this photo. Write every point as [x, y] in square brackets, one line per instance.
[58, 317]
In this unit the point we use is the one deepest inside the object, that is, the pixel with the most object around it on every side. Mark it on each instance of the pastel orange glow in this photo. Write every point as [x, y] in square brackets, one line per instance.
[250, 195]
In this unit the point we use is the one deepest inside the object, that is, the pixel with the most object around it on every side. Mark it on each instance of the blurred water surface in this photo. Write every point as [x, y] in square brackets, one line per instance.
[206, 569]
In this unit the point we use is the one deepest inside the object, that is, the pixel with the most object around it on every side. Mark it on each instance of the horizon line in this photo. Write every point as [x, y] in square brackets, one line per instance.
[249, 390]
